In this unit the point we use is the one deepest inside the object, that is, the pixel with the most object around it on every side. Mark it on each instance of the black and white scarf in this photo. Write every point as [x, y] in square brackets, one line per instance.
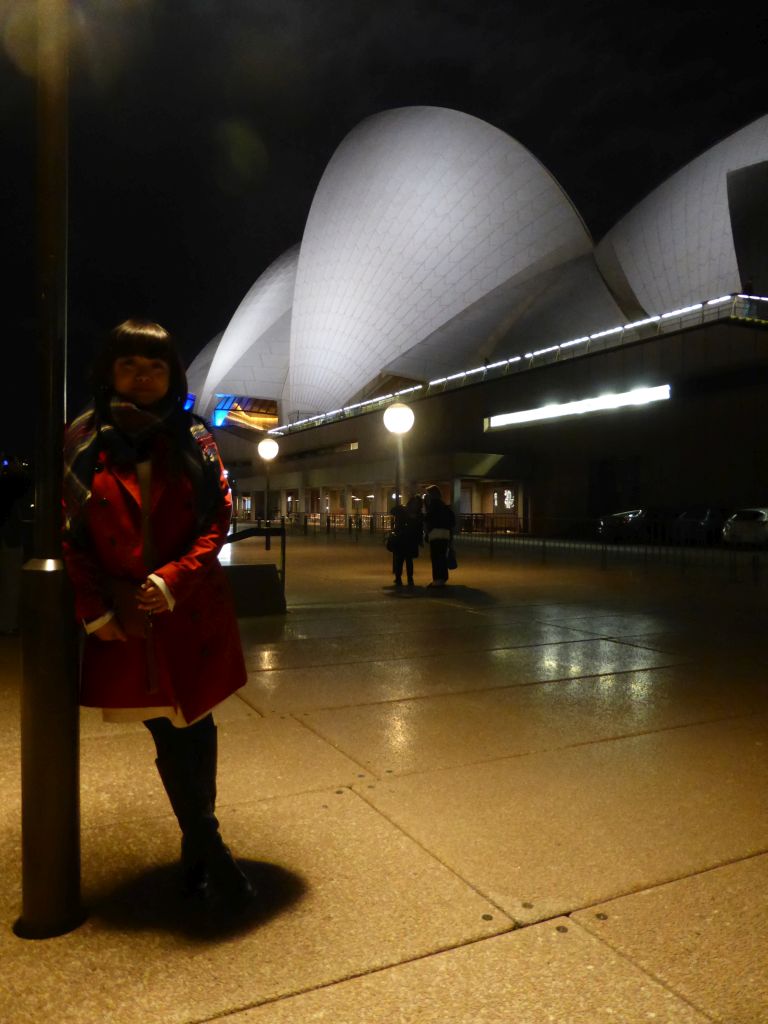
[128, 433]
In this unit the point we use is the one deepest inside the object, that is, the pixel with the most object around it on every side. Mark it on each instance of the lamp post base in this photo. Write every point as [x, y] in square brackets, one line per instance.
[50, 729]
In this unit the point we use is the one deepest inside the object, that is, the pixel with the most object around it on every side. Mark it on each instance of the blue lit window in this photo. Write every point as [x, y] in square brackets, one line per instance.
[189, 402]
[223, 406]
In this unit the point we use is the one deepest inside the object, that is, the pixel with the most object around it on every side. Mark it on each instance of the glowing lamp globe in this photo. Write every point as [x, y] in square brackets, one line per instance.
[268, 449]
[398, 418]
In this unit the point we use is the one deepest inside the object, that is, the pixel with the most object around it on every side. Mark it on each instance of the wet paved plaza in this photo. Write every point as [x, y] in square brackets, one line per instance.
[535, 796]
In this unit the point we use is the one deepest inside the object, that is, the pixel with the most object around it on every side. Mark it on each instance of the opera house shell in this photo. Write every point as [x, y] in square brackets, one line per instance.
[436, 242]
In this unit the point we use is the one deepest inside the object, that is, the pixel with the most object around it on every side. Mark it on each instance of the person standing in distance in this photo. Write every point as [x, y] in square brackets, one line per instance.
[439, 521]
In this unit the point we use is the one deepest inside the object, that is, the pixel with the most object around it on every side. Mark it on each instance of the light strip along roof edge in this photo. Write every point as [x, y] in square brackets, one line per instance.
[708, 311]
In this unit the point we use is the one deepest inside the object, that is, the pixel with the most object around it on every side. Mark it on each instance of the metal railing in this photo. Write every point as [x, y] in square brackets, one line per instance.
[266, 529]
[681, 549]
[334, 523]
[715, 560]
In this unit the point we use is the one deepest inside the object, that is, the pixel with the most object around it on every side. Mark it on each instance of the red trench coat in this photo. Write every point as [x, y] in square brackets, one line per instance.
[197, 655]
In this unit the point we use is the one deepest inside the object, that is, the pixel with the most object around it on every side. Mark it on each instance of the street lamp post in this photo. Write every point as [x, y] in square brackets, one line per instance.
[398, 419]
[267, 449]
[50, 812]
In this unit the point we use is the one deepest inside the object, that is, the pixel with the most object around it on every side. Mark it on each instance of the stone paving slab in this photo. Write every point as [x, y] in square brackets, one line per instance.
[555, 832]
[346, 893]
[702, 643]
[421, 642]
[639, 609]
[341, 685]
[550, 973]
[423, 734]
[10, 783]
[258, 759]
[606, 625]
[587, 602]
[365, 619]
[703, 937]
[10, 870]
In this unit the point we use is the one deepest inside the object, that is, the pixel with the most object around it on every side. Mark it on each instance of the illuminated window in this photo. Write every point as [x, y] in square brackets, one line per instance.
[509, 500]
[243, 411]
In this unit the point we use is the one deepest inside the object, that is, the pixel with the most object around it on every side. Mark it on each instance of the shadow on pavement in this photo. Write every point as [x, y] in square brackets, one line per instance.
[452, 592]
[152, 901]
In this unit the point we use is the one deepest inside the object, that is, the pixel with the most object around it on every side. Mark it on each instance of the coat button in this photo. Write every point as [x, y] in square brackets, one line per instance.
[103, 501]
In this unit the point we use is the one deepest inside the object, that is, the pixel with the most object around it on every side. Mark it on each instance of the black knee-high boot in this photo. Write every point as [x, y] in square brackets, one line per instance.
[186, 763]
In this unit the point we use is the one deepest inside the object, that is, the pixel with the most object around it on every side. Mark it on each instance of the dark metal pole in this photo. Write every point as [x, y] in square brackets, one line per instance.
[50, 814]
[282, 555]
[398, 460]
[268, 541]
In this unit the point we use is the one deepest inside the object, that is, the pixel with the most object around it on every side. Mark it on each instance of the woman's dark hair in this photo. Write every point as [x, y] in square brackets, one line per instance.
[136, 337]
[433, 493]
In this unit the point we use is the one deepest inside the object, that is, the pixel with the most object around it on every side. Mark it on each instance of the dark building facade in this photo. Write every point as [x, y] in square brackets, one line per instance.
[706, 444]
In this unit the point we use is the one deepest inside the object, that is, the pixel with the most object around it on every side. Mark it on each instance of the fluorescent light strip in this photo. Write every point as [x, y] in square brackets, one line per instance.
[679, 312]
[640, 396]
[720, 301]
[757, 298]
[544, 351]
[641, 323]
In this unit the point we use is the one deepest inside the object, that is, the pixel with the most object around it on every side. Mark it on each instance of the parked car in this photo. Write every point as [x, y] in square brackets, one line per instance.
[638, 525]
[699, 525]
[747, 526]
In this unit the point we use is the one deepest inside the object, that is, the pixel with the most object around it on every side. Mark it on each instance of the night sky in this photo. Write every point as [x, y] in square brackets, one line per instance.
[200, 130]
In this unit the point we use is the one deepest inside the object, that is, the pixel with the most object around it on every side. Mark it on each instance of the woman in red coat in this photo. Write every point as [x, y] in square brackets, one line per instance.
[147, 508]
